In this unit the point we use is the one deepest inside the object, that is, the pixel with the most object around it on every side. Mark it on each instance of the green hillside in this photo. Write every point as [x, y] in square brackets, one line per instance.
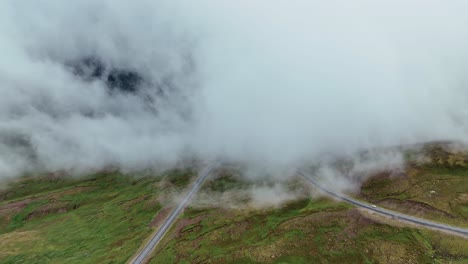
[106, 217]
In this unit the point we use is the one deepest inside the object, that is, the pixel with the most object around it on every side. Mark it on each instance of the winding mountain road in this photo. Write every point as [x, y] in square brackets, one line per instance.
[388, 213]
[156, 237]
[144, 253]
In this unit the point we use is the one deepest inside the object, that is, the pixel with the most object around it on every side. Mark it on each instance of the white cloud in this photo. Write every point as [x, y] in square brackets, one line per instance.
[274, 82]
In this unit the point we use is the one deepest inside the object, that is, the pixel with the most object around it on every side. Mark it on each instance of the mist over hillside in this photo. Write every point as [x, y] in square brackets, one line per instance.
[91, 84]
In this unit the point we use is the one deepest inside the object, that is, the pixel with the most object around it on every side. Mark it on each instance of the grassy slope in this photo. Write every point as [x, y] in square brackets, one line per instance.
[104, 219]
[101, 219]
[305, 231]
[436, 189]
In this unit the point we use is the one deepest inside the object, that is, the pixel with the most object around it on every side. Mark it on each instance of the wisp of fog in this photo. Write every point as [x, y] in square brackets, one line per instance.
[91, 84]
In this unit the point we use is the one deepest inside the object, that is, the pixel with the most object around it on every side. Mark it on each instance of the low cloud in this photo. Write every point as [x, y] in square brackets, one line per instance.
[277, 84]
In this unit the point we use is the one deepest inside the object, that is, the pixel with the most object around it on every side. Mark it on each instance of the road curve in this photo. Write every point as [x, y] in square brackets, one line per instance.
[156, 238]
[399, 216]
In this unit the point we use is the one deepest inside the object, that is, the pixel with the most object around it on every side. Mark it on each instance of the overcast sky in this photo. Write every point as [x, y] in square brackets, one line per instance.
[275, 82]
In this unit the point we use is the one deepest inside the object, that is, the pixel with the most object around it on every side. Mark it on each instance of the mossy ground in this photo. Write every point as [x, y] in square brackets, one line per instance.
[99, 219]
[105, 218]
[435, 189]
[304, 231]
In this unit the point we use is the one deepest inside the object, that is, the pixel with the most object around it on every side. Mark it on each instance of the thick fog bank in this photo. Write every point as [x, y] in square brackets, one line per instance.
[91, 84]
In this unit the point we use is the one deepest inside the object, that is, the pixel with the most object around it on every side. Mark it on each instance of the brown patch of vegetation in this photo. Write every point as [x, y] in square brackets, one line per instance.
[53, 207]
[128, 204]
[380, 250]
[182, 223]
[412, 207]
[14, 207]
[358, 219]
[160, 216]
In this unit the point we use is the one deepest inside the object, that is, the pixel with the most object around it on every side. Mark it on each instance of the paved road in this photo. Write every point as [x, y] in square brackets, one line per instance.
[399, 216]
[156, 238]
